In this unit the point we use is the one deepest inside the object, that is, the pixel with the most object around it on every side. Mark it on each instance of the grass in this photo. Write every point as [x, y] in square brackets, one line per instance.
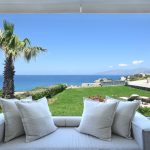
[70, 101]
[145, 111]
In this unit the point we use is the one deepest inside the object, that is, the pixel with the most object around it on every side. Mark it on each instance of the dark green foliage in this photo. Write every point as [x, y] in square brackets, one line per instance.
[0, 93]
[138, 77]
[48, 92]
[39, 88]
[145, 111]
[13, 47]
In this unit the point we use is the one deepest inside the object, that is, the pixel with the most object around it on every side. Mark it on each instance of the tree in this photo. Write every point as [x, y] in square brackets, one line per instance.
[13, 47]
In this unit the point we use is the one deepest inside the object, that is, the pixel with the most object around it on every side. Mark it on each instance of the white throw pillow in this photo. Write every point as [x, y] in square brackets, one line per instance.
[37, 119]
[97, 119]
[123, 117]
[13, 123]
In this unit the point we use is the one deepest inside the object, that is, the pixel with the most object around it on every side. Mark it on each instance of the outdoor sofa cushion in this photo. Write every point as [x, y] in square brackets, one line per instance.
[123, 117]
[69, 139]
[37, 119]
[141, 133]
[2, 127]
[97, 119]
[13, 123]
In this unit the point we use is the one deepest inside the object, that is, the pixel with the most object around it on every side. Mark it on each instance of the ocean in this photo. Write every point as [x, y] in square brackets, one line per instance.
[28, 82]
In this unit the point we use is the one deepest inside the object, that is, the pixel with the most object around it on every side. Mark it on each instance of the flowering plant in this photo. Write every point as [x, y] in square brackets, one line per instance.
[97, 98]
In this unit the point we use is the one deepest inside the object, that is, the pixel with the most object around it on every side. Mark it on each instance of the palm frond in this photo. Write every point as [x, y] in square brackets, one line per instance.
[12, 45]
[26, 42]
[8, 26]
[27, 54]
[32, 52]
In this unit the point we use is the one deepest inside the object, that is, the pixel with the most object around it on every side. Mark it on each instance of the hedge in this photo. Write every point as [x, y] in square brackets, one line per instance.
[40, 92]
[0, 93]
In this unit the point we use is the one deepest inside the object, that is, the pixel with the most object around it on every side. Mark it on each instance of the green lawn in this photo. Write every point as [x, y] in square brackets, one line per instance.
[70, 101]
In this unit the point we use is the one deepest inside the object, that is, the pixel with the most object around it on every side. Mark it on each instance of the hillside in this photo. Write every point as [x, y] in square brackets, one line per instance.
[125, 71]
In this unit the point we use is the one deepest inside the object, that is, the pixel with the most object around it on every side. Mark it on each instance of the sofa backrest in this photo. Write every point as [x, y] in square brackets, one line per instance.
[141, 131]
[140, 126]
[67, 121]
[1, 127]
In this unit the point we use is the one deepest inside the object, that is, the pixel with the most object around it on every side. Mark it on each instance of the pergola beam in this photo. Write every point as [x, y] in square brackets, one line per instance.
[74, 6]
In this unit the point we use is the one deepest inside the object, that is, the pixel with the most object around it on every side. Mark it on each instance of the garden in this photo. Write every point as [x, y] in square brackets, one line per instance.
[69, 102]
[62, 101]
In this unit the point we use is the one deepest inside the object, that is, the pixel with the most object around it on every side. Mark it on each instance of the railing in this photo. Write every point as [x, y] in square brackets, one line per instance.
[113, 83]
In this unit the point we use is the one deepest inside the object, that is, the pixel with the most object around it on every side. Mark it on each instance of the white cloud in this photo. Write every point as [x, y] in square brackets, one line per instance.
[110, 66]
[137, 62]
[122, 65]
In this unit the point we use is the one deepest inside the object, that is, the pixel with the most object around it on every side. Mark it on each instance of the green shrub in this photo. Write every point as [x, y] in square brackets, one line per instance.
[40, 92]
[144, 110]
[0, 93]
[39, 88]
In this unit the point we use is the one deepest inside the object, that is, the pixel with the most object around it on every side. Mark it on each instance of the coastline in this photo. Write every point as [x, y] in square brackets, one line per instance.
[28, 82]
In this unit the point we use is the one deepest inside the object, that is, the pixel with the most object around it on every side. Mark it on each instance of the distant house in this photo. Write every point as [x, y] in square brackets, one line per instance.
[123, 78]
[91, 85]
[140, 75]
[98, 81]
[102, 80]
[143, 74]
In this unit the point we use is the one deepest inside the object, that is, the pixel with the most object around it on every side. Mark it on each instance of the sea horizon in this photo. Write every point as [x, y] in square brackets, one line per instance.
[28, 82]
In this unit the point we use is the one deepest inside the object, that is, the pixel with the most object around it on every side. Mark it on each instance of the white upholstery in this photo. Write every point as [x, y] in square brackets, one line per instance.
[36, 123]
[69, 121]
[1, 127]
[70, 139]
[123, 116]
[97, 119]
[141, 131]
[13, 122]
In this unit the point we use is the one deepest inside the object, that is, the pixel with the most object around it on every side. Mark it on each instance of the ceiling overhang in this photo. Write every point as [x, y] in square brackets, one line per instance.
[74, 6]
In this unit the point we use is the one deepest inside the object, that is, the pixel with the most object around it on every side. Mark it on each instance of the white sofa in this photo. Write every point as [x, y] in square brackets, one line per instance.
[67, 138]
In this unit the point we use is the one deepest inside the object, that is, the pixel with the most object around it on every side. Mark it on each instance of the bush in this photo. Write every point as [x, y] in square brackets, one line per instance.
[145, 111]
[0, 93]
[39, 88]
[40, 92]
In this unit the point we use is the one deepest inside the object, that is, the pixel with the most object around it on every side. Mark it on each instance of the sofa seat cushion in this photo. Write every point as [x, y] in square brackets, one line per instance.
[70, 139]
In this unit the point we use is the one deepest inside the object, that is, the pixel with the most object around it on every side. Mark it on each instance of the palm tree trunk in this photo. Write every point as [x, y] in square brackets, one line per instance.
[8, 84]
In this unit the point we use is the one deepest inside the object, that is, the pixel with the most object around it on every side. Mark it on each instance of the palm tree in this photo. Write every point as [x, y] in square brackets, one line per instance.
[13, 47]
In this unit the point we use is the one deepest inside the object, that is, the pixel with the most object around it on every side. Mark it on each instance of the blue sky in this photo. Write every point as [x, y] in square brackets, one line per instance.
[83, 43]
